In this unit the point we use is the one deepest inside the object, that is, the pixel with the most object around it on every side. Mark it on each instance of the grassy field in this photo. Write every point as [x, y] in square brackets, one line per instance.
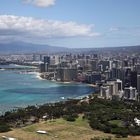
[60, 129]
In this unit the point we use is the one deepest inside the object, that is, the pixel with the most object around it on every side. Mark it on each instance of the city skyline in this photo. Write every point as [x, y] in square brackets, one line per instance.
[72, 24]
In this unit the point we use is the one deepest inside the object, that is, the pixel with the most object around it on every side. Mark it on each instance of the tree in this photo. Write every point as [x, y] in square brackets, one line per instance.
[4, 128]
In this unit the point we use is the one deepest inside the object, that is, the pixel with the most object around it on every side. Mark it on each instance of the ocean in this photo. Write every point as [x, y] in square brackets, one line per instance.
[23, 89]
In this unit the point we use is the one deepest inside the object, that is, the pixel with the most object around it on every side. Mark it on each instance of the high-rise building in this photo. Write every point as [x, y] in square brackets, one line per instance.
[46, 67]
[133, 77]
[116, 86]
[105, 64]
[46, 63]
[126, 77]
[125, 63]
[81, 62]
[138, 84]
[116, 73]
[46, 60]
[57, 59]
[137, 68]
[107, 75]
[93, 78]
[93, 64]
[66, 74]
[40, 57]
[36, 57]
[42, 67]
[105, 92]
[134, 61]
[130, 93]
[119, 84]
[111, 90]
[115, 64]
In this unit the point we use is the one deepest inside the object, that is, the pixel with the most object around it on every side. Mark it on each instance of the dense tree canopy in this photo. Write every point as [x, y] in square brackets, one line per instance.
[115, 117]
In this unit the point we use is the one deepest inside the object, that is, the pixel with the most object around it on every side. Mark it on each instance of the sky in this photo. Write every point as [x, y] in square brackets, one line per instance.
[71, 23]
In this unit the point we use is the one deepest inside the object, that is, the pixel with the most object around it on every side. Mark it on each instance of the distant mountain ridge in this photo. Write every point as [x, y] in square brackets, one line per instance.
[22, 47]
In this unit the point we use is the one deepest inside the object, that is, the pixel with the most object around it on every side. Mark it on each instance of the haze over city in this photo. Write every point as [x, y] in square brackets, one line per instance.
[71, 23]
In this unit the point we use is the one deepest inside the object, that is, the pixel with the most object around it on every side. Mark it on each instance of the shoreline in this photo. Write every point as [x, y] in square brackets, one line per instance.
[38, 76]
[66, 82]
[62, 98]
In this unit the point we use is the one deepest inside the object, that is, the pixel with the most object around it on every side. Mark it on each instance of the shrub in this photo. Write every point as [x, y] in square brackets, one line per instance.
[4, 128]
[122, 132]
[71, 117]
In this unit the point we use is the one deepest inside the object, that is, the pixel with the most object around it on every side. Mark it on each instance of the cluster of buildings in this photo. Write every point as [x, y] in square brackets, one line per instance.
[118, 77]
[117, 74]
[114, 90]
[122, 79]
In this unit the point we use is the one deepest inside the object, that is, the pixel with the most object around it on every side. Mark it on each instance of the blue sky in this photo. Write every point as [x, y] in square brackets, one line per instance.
[71, 23]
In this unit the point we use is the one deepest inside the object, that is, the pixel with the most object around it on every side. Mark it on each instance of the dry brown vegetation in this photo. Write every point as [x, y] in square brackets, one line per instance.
[59, 129]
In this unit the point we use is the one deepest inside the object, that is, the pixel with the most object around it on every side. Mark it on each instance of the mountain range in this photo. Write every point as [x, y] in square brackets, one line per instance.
[23, 47]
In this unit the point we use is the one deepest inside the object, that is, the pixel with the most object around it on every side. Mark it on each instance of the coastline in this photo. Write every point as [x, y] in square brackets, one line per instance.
[38, 75]
[65, 82]
[43, 98]
[92, 85]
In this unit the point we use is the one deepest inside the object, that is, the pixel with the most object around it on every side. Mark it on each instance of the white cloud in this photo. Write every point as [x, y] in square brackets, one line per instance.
[41, 3]
[27, 28]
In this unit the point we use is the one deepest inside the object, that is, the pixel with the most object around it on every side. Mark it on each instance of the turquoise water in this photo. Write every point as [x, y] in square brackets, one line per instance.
[20, 90]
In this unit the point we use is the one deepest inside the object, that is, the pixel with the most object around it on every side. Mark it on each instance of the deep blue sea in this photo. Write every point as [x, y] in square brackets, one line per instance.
[21, 90]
